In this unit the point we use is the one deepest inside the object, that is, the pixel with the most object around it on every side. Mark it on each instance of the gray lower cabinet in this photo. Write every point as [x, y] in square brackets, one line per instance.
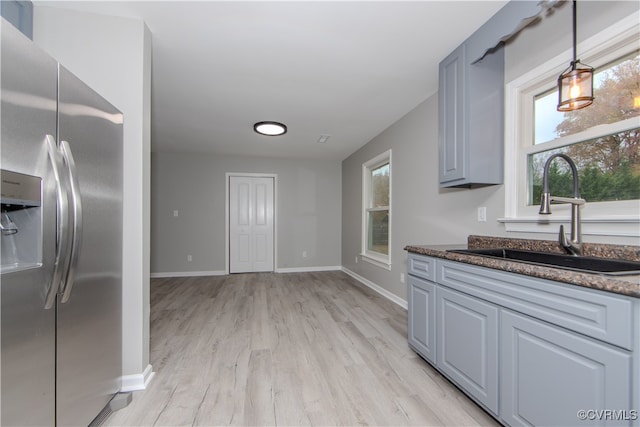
[532, 352]
[542, 365]
[468, 344]
[422, 306]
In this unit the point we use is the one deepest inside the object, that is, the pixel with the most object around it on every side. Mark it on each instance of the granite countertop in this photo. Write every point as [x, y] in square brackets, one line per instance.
[625, 285]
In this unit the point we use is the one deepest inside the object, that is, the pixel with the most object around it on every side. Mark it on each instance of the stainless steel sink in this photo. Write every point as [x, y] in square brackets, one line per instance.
[586, 264]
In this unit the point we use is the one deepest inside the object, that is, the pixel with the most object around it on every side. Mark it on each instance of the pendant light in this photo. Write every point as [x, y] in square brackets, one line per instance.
[575, 84]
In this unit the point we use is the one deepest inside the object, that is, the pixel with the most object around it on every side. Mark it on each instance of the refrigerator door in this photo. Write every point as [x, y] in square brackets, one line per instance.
[89, 340]
[28, 114]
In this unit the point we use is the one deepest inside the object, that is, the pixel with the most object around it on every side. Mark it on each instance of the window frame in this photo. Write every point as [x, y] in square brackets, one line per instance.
[375, 258]
[615, 218]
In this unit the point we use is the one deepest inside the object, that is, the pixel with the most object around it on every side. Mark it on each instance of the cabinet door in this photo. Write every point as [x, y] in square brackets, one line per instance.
[467, 343]
[20, 14]
[549, 374]
[452, 86]
[422, 317]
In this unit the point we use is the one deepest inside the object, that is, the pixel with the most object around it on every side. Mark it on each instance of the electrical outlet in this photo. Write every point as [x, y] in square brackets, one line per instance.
[401, 277]
[189, 258]
[482, 214]
[175, 213]
[356, 259]
[304, 254]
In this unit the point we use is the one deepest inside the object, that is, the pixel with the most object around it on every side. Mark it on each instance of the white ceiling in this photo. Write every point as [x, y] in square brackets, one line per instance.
[346, 69]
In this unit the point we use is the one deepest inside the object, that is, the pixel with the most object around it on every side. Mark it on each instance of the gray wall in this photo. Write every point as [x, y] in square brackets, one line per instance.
[422, 213]
[308, 210]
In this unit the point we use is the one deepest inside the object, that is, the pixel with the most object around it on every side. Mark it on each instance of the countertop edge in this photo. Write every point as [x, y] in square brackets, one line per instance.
[629, 285]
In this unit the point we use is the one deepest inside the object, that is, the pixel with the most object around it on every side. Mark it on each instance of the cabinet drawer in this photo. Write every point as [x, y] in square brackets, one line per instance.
[604, 316]
[422, 266]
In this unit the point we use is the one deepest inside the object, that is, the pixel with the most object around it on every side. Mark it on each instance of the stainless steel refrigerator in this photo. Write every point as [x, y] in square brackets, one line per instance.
[61, 234]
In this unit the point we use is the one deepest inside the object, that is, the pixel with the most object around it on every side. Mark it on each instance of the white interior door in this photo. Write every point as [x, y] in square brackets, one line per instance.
[250, 224]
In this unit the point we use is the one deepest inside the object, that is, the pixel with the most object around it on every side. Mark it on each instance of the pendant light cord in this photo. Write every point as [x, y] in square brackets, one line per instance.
[575, 32]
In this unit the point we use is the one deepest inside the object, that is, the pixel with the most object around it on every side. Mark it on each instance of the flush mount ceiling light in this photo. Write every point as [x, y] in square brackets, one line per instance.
[270, 128]
[575, 84]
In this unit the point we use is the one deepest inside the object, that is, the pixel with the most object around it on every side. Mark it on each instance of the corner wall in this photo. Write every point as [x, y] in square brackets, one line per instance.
[113, 56]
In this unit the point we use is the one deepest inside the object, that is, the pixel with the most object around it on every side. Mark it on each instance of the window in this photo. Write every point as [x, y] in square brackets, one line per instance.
[608, 159]
[376, 210]
[603, 140]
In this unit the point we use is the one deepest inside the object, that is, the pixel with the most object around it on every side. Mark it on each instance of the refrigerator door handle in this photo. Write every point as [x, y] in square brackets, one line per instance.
[62, 241]
[76, 215]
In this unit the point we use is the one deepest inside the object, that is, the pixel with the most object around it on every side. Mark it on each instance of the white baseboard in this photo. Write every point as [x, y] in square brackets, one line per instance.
[222, 273]
[379, 289]
[308, 269]
[137, 381]
[187, 274]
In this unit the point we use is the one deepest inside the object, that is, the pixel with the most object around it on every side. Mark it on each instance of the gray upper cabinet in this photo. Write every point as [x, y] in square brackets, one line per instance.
[471, 111]
[471, 101]
[452, 117]
[20, 14]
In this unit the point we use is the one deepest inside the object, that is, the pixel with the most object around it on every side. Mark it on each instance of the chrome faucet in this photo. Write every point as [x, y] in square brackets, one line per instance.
[574, 244]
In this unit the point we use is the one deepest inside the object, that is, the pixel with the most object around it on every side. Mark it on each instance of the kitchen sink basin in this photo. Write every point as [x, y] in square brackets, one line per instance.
[586, 264]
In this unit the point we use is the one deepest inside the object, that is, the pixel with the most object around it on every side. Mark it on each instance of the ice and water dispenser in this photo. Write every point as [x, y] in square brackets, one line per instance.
[20, 221]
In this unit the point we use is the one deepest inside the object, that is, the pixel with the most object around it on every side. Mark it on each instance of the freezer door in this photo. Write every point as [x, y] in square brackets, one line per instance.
[89, 341]
[28, 114]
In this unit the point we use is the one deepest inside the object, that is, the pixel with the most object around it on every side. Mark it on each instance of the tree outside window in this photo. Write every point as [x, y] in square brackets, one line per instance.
[608, 163]
[378, 221]
[376, 212]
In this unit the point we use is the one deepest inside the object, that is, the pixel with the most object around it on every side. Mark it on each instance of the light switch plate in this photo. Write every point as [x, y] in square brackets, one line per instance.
[482, 214]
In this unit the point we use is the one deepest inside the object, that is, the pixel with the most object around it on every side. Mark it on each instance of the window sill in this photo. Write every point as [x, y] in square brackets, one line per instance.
[626, 226]
[377, 261]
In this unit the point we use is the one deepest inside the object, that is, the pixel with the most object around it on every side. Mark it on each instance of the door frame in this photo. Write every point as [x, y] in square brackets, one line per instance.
[227, 236]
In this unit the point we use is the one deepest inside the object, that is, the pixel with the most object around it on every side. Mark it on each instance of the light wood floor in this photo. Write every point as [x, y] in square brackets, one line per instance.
[287, 349]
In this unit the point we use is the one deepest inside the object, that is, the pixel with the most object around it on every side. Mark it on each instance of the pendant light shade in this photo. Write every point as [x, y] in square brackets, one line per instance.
[575, 84]
[575, 87]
